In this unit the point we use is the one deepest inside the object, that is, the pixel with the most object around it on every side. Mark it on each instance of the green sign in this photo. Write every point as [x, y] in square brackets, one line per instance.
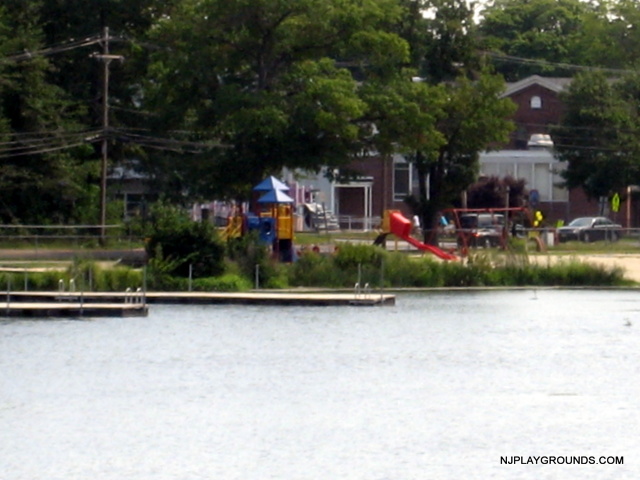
[615, 202]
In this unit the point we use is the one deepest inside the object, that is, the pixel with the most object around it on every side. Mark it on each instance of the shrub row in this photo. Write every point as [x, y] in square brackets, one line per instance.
[377, 267]
[349, 265]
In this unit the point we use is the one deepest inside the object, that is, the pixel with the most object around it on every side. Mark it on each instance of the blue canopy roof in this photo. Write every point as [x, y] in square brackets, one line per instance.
[271, 183]
[275, 196]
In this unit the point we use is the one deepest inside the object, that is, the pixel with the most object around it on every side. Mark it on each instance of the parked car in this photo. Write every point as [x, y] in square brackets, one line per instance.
[590, 229]
[481, 229]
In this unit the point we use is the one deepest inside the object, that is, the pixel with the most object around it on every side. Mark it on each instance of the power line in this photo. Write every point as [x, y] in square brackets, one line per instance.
[52, 50]
[43, 149]
[544, 63]
[25, 139]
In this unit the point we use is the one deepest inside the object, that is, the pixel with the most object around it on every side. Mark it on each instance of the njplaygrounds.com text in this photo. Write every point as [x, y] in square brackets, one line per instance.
[562, 460]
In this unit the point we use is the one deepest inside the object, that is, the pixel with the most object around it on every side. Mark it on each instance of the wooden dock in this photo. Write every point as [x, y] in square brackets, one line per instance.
[72, 309]
[133, 302]
[272, 298]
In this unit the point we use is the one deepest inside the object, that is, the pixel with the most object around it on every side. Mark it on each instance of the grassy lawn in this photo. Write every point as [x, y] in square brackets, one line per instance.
[313, 238]
[74, 243]
[626, 245]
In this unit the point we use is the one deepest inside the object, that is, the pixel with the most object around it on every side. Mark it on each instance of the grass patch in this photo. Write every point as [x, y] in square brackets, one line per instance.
[350, 264]
[313, 238]
[378, 268]
[624, 245]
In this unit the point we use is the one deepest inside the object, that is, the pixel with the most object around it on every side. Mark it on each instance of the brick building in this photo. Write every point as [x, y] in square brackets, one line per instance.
[383, 183]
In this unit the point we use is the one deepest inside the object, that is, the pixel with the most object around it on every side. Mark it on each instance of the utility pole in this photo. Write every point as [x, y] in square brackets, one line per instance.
[106, 60]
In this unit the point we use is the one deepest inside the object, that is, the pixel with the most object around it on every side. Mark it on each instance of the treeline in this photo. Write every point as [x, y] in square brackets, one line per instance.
[206, 97]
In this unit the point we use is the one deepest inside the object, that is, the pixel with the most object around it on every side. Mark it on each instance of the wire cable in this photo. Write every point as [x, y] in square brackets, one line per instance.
[544, 63]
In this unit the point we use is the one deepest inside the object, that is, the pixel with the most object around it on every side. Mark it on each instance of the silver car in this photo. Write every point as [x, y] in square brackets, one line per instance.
[590, 229]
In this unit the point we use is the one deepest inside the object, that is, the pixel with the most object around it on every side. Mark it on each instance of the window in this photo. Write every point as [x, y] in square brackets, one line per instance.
[536, 102]
[401, 179]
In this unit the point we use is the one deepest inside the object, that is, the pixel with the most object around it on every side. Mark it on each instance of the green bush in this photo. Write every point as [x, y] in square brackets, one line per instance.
[251, 257]
[351, 255]
[400, 269]
[482, 270]
[187, 247]
[224, 283]
[315, 270]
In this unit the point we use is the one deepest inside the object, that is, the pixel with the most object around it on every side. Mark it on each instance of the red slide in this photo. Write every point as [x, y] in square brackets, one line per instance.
[401, 227]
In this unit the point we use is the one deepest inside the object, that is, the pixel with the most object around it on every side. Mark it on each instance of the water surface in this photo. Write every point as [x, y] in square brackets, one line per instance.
[438, 387]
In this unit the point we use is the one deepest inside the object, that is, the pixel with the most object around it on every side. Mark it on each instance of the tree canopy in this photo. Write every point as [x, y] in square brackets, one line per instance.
[215, 94]
[264, 81]
[559, 37]
[599, 134]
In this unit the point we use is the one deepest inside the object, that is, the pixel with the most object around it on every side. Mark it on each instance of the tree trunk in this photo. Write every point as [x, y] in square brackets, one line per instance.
[434, 205]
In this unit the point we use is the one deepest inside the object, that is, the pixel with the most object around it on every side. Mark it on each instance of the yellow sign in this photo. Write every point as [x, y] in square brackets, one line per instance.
[615, 202]
[538, 218]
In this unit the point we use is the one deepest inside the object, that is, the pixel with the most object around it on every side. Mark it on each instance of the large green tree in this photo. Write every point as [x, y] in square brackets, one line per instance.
[598, 135]
[270, 80]
[51, 94]
[527, 34]
[451, 114]
[42, 174]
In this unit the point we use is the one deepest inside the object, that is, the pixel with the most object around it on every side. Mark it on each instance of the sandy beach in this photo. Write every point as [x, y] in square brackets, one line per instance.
[630, 263]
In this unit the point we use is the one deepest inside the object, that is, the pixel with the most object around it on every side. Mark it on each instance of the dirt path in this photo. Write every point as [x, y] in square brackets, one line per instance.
[70, 254]
[630, 263]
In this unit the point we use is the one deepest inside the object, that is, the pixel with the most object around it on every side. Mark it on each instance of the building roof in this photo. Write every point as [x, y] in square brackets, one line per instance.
[271, 183]
[555, 84]
[275, 196]
[518, 156]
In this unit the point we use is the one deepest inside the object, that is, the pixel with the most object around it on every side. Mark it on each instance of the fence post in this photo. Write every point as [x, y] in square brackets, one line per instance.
[8, 296]
[144, 279]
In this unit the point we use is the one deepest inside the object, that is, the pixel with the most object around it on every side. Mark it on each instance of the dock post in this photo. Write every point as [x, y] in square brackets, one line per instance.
[190, 275]
[257, 276]
[382, 281]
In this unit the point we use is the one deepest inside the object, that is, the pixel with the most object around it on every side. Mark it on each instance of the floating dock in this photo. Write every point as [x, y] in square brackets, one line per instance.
[272, 298]
[129, 302]
[72, 309]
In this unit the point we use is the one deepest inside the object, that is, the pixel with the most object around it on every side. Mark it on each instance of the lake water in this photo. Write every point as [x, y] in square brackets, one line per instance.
[440, 386]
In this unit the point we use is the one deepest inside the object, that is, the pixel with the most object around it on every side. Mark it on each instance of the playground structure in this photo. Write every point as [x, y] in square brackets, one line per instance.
[271, 217]
[393, 222]
[492, 227]
[472, 228]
